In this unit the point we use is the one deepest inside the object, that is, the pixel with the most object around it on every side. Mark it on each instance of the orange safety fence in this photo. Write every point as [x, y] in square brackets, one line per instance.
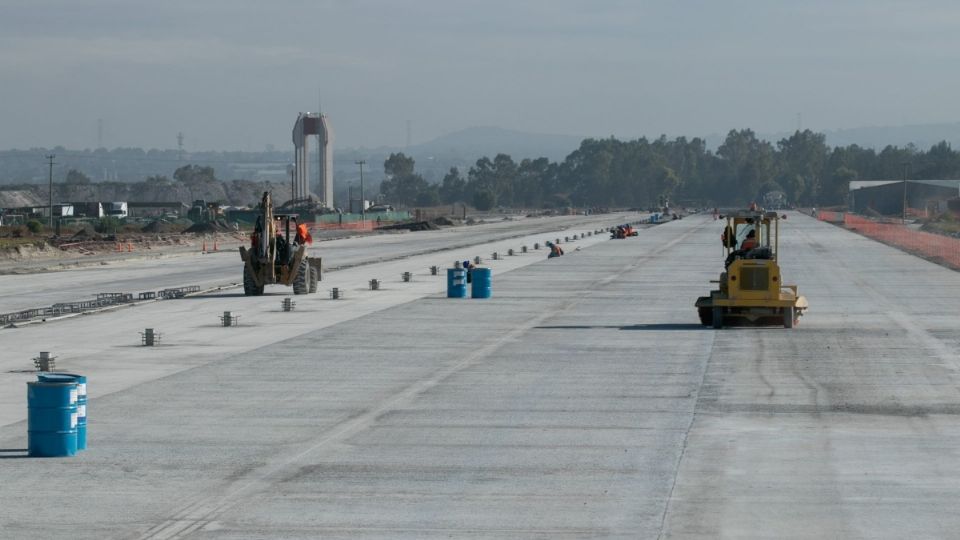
[352, 226]
[934, 246]
[830, 216]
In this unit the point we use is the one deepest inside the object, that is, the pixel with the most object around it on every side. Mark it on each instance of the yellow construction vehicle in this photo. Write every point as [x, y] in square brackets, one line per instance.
[276, 257]
[751, 290]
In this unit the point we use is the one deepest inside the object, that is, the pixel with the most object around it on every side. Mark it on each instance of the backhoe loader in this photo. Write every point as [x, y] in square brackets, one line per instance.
[276, 257]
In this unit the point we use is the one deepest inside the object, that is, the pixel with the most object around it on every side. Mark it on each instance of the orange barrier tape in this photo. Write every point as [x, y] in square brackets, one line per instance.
[934, 246]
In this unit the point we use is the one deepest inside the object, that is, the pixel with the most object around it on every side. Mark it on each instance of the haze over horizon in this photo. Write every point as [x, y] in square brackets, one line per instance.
[234, 74]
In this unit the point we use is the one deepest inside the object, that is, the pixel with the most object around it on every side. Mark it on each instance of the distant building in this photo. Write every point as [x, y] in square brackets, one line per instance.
[886, 197]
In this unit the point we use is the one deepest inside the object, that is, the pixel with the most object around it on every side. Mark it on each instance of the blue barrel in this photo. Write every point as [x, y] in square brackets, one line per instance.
[51, 418]
[456, 283]
[482, 283]
[81, 381]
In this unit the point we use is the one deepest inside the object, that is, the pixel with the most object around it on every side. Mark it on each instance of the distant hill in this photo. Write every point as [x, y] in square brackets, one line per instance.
[922, 136]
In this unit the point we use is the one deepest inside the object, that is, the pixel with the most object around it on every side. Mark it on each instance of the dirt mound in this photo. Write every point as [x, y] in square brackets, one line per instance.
[152, 227]
[86, 233]
[411, 226]
[19, 198]
[211, 227]
[158, 226]
[443, 221]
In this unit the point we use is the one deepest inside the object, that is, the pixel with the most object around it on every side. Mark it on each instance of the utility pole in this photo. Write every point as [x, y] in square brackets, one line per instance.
[906, 166]
[363, 206]
[50, 161]
[293, 189]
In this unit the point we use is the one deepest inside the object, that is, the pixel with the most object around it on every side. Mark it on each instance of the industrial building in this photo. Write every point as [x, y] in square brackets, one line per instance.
[887, 197]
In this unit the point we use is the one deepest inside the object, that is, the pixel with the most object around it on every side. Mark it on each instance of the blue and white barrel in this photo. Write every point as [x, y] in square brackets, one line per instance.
[482, 283]
[81, 381]
[52, 418]
[456, 283]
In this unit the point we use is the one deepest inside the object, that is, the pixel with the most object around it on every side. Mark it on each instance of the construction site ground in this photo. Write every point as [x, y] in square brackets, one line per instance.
[582, 401]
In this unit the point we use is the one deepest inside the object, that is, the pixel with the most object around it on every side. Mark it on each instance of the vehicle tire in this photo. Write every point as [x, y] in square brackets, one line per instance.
[789, 317]
[314, 278]
[301, 283]
[717, 318]
[706, 315]
[250, 287]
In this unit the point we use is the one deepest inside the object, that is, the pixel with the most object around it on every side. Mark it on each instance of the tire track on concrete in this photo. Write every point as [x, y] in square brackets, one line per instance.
[893, 312]
[203, 511]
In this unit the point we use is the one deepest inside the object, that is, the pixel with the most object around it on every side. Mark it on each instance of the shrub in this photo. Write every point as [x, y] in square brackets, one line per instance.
[35, 226]
[483, 200]
[107, 225]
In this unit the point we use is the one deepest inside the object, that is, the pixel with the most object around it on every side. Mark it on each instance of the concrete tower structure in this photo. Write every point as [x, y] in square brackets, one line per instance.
[308, 124]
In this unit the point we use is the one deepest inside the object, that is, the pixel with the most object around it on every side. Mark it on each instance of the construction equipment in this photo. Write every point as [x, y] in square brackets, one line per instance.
[751, 291]
[204, 212]
[276, 257]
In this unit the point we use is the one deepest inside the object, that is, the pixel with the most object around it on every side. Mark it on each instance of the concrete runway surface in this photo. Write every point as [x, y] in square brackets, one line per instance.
[583, 400]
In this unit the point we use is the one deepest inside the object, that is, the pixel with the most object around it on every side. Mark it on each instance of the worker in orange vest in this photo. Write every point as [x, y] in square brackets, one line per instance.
[750, 241]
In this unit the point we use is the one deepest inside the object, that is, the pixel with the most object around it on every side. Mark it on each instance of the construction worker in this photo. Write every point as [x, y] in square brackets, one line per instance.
[727, 237]
[750, 241]
[303, 234]
[555, 250]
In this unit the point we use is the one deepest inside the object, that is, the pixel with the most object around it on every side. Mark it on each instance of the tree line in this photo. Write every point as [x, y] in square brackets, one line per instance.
[800, 169]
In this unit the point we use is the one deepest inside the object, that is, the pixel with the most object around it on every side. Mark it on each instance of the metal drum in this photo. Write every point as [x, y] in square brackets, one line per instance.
[482, 283]
[81, 381]
[456, 283]
[52, 418]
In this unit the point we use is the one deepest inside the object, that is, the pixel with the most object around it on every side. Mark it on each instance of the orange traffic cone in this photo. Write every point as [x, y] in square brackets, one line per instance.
[204, 248]
[129, 247]
[215, 244]
[119, 246]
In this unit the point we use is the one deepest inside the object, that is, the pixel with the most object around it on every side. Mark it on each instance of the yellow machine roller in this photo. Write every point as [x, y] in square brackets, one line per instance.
[751, 291]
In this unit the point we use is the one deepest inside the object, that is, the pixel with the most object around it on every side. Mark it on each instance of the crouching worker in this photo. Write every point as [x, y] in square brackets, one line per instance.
[555, 250]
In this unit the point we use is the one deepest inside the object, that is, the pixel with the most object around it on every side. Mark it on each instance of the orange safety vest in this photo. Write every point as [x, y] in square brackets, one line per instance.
[304, 234]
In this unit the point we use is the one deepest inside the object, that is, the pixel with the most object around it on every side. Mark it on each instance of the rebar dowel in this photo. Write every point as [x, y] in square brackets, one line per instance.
[149, 337]
[229, 319]
[45, 362]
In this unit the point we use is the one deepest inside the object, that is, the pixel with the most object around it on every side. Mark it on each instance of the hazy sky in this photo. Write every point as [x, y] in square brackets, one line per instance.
[232, 74]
